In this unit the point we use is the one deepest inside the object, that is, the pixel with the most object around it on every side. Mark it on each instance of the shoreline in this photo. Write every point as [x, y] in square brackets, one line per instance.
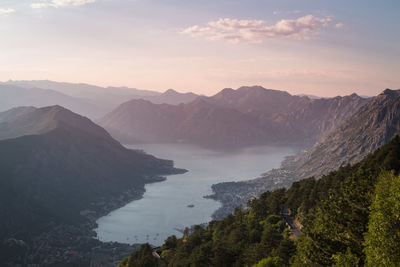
[77, 244]
[235, 194]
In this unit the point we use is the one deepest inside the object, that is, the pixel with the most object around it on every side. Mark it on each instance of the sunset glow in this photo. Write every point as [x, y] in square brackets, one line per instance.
[323, 48]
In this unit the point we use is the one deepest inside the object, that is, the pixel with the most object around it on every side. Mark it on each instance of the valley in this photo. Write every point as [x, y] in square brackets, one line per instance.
[163, 211]
[139, 198]
[208, 133]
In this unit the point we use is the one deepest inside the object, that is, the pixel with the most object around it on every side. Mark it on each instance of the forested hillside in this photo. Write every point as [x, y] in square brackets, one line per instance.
[348, 218]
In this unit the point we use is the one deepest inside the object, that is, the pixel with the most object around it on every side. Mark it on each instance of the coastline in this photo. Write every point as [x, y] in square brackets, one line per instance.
[76, 244]
[234, 194]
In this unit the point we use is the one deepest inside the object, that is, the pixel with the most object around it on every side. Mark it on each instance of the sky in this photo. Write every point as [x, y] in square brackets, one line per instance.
[318, 47]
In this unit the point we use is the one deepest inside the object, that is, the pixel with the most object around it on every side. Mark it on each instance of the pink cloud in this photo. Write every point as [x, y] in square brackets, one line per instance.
[61, 3]
[339, 25]
[256, 31]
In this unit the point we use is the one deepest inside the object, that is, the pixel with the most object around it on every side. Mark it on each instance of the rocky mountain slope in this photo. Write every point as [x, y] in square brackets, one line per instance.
[232, 118]
[372, 126]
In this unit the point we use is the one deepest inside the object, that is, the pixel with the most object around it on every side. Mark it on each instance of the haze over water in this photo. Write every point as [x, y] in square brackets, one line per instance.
[164, 210]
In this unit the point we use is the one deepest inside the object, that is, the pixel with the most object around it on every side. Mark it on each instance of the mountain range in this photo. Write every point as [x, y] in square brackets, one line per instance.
[15, 96]
[87, 100]
[232, 118]
[105, 96]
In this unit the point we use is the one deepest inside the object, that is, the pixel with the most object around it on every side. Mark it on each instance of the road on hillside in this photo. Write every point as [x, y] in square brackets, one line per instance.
[289, 221]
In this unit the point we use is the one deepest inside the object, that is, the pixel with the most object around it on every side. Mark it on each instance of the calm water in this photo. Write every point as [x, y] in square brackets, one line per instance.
[164, 207]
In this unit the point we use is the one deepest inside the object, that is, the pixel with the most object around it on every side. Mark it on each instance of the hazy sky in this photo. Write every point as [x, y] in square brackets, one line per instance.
[321, 47]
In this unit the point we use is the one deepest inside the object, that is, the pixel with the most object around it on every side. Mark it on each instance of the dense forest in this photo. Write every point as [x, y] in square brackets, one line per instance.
[349, 217]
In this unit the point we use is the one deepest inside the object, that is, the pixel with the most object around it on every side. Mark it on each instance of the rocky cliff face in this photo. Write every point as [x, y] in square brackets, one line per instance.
[372, 126]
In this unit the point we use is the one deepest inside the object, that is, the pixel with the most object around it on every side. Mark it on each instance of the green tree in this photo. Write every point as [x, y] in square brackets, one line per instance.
[383, 238]
[143, 257]
[171, 242]
[347, 259]
[269, 262]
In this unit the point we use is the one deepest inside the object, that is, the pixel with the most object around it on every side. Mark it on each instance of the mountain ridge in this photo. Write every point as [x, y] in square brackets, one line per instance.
[259, 116]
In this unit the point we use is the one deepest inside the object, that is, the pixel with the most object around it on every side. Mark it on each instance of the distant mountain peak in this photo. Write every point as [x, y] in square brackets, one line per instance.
[227, 90]
[248, 90]
[391, 93]
[58, 112]
[185, 97]
[354, 95]
[140, 101]
[170, 91]
[259, 88]
[253, 87]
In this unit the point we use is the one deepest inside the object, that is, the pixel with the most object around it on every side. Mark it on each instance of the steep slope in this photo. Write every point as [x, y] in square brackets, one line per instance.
[59, 164]
[14, 96]
[232, 118]
[372, 126]
[314, 119]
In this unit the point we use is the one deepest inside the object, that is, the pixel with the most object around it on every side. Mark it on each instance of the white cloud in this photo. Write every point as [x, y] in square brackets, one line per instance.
[4, 11]
[61, 3]
[39, 5]
[256, 31]
[339, 25]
